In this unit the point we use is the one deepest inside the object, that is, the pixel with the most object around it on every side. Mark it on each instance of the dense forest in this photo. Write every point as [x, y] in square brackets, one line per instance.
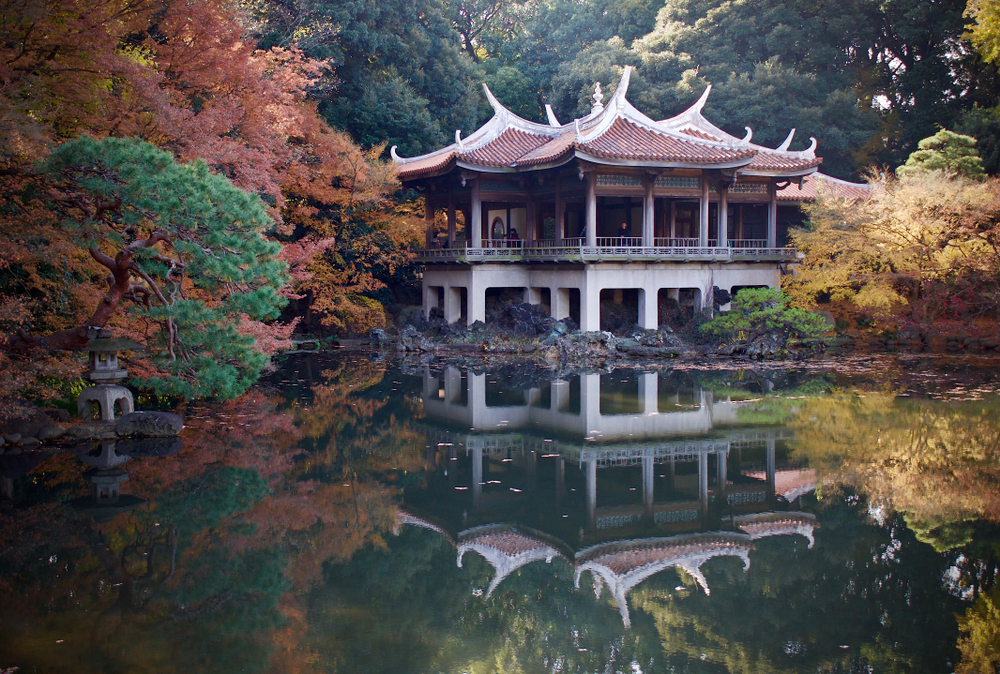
[207, 176]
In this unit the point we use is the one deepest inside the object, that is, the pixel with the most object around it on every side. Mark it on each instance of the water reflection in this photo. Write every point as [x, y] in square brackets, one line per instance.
[642, 472]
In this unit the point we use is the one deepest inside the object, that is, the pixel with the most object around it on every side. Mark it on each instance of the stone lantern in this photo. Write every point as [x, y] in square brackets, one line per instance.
[106, 374]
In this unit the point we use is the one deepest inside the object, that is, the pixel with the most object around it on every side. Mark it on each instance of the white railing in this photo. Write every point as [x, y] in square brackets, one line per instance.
[607, 249]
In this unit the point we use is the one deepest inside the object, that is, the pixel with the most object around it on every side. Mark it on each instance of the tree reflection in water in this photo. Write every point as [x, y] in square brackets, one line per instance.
[266, 543]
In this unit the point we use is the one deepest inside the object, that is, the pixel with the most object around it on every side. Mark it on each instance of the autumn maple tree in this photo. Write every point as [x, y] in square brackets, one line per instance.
[194, 236]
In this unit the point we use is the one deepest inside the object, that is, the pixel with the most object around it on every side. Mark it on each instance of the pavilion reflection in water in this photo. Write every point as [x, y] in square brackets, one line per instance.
[623, 475]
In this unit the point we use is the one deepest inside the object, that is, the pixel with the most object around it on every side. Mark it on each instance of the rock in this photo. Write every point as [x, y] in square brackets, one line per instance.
[528, 348]
[52, 433]
[136, 447]
[377, 337]
[426, 344]
[58, 415]
[409, 339]
[149, 424]
[30, 443]
[22, 418]
[13, 438]
[651, 351]
[97, 430]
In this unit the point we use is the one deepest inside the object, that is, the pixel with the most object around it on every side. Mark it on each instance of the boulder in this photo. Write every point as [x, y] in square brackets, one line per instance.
[377, 337]
[409, 338]
[98, 430]
[149, 424]
[22, 418]
[137, 447]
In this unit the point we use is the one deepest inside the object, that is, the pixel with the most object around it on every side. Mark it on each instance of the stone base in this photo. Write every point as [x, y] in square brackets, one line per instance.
[104, 395]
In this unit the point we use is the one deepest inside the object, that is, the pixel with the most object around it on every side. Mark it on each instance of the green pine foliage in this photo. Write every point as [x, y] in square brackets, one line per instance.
[946, 151]
[757, 311]
[215, 230]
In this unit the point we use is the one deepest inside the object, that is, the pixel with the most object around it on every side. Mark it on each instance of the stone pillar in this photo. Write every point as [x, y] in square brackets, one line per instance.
[724, 217]
[648, 212]
[770, 470]
[559, 298]
[476, 224]
[451, 221]
[674, 294]
[477, 476]
[476, 311]
[533, 295]
[772, 216]
[430, 299]
[703, 214]
[673, 218]
[721, 474]
[560, 212]
[591, 469]
[429, 222]
[590, 304]
[703, 484]
[560, 481]
[647, 485]
[648, 382]
[452, 385]
[452, 304]
[531, 224]
[591, 178]
[648, 316]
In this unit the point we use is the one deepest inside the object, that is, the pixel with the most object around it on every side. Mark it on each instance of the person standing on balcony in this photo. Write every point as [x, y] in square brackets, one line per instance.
[624, 233]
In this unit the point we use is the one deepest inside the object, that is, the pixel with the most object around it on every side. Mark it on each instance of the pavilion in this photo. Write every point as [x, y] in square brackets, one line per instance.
[612, 203]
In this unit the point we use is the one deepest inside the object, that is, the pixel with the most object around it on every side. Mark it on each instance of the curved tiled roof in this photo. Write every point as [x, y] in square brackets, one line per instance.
[817, 182]
[615, 134]
[625, 139]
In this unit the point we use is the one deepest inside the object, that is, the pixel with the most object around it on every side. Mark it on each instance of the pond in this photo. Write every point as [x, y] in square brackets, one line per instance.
[358, 515]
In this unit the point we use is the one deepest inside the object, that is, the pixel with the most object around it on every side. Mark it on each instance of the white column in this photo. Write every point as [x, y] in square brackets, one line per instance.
[648, 392]
[531, 225]
[590, 304]
[591, 179]
[428, 221]
[724, 217]
[703, 484]
[560, 211]
[476, 298]
[591, 494]
[452, 304]
[430, 299]
[647, 485]
[648, 309]
[703, 213]
[451, 221]
[559, 298]
[647, 212]
[477, 476]
[476, 225]
[772, 217]
[533, 295]
[673, 218]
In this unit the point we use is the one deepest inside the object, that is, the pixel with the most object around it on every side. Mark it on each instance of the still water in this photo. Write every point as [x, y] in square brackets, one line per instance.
[351, 515]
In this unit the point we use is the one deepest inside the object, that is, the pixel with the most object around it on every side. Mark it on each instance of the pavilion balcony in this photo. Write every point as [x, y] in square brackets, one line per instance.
[608, 249]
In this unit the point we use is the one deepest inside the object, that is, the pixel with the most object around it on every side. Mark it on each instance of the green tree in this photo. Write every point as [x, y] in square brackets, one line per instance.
[764, 312]
[946, 151]
[185, 252]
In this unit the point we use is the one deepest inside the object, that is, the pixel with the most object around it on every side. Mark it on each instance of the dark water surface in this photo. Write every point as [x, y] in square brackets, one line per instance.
[353, 516]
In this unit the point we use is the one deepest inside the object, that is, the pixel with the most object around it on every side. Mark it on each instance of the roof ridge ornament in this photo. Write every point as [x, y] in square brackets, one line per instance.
[700, 103]
[809, 152]
[787, 142]
[746, 138]
[392, 153]
[598, 97]
[458, 139]
[576, 130]
[553, 121]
